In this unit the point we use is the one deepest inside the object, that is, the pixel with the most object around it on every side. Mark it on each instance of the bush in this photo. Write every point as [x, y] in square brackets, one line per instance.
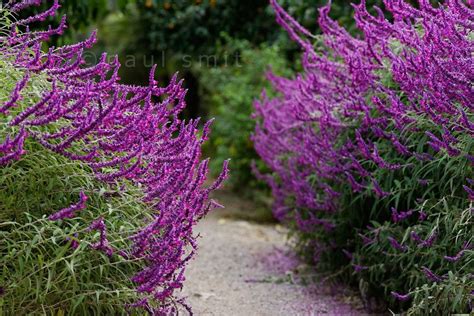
[371, 152]
[192, 27]
[51, 267]
[97, 215]
[229, 90]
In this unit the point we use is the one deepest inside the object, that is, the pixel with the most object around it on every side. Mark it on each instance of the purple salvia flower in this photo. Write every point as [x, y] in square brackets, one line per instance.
[378, 190]
[396, 245]
[400, 297]
[103, 243]
[13, 149]
[356, 187]
[460, 254]
[469, 191]
[429, 241]
[415, 237]
[24, 4]
[400, 216]
[15, 95]
[431, 275]
[70, 212]
[423, 182]
[457, 257]
[359, 268]
[422, 216]
[74, 243]
[41, 16]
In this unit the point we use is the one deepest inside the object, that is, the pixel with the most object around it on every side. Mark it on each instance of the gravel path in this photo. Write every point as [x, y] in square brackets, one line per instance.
[241, 269]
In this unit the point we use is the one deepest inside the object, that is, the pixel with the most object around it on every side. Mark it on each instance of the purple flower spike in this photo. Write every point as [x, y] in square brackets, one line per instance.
[378, 190]
[70, 212]
[103, 243]
[401, 297]
[400, 216]
[431, 275]
[396, 245]
[422, 216]
[456, 258]
[469, 191]
[460, 254]
[21, 5]
[359, 268]
[429, 241]
[414, 236]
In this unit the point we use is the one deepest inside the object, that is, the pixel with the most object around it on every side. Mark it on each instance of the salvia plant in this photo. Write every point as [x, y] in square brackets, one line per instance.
[101, 183]
[372, 150]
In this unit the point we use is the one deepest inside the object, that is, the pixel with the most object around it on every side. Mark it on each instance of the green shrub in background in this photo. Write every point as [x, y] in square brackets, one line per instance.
[228, 91]
[191, 27]
[184, 26]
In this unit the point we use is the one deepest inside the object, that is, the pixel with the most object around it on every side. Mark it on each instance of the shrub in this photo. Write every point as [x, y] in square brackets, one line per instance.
[52, 267]
[192, 27]
[229, 90]
[113, 180]
[371, 152]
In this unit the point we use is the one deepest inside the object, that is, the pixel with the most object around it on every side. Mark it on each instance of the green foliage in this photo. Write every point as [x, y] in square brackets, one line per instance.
[195, 26]
[81, 13]
[42, 274]
[229, 91]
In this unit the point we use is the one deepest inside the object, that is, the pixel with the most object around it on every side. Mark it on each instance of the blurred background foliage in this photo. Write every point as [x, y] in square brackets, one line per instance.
[228, 91]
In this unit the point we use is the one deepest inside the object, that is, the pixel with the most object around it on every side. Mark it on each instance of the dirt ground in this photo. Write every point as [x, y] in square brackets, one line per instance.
[243, 268]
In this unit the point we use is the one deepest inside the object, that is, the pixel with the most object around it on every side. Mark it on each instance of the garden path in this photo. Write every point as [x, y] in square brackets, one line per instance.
[242, 269]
